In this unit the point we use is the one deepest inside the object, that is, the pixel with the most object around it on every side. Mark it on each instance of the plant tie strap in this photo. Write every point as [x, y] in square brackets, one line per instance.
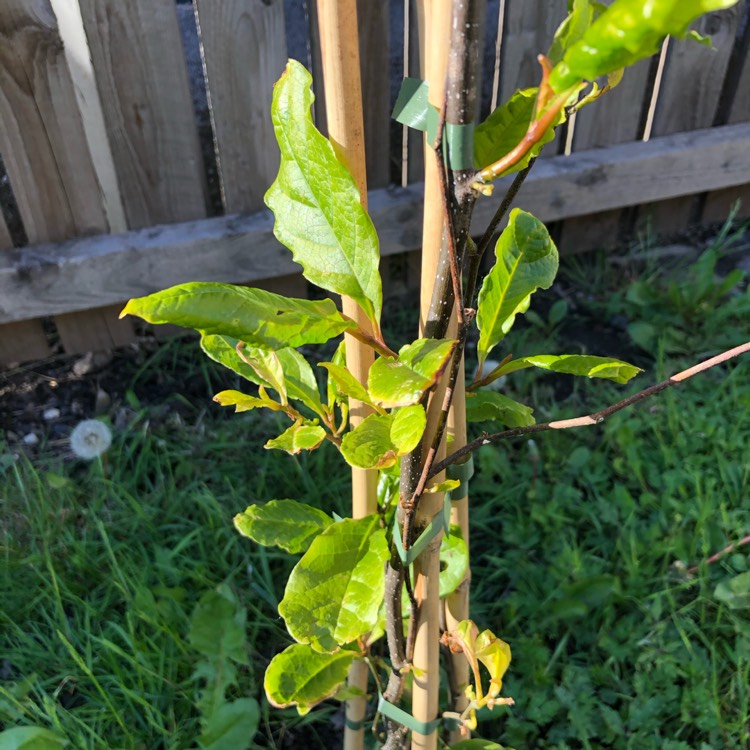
[462, 472]
[355, 726]
[420, 727]
[413, 109]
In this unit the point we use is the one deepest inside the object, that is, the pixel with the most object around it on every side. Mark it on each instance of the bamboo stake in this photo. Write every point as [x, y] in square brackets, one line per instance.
[339, 42]
[426, 658]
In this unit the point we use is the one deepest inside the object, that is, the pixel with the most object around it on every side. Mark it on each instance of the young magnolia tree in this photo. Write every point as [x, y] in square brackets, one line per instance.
[374, 596]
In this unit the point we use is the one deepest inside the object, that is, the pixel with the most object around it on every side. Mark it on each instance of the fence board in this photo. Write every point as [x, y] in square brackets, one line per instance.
[142, 80]
[414, 52]
[688, 98]
[528, 29]
[316, 65]
[373, 20]
[244, 53]
[616, 118]
[41, 134]
[104, 270]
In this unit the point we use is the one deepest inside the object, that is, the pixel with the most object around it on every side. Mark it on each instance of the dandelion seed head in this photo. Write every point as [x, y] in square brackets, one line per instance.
[90, 439]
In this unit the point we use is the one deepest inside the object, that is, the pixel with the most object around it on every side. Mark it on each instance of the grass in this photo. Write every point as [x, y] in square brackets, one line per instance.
[580, 543]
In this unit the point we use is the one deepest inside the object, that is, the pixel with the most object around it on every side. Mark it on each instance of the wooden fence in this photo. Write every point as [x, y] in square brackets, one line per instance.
[113, 185]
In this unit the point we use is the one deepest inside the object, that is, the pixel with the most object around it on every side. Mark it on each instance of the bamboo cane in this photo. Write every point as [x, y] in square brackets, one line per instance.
[426, 658]
[339, 41]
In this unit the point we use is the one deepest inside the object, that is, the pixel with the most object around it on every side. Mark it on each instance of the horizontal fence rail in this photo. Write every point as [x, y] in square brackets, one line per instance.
[136, 146]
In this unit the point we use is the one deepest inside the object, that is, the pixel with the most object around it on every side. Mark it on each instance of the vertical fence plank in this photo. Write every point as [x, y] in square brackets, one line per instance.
[20, 342]
[316, 65]
[41, 134]
[244, 53]
[614, 119]
[688, 99]
[414, 52]
[373, 19]
[719, 202]
[142, 80]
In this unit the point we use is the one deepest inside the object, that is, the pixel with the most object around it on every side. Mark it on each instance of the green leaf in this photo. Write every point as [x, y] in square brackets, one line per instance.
[735, 592]
[232, 726]
[217, 626]
[267, 367]
[505, 128]
[30, 738]
[403, 381]
[484, 406]
[317, 206]
[454, 561]
[243, 402]
[571, 29]
[379, 440]
[222, 349]
[283, 523]
[347, 384]
[338, 359]
[257, 317]
[334, 592]
[526, 260]
[575, 364]
[301, 677]
[478, 745]
[301, 436]
[626, 32]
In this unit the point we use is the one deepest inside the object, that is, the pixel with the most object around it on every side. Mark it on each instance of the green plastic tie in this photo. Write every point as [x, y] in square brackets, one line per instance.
[355, 726]
[425, 728]
[441, 522]
[414, 110]
[463, 472]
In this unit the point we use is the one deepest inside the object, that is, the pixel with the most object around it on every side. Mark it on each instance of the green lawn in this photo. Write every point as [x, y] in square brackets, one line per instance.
[581, 543]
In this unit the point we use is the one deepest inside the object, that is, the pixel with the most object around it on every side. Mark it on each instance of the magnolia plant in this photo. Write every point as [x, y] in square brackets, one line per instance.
[352, 583]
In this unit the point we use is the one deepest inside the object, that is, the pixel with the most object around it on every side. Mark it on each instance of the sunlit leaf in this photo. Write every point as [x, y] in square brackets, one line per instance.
[403, 381]
[526, 261]
[494, 653]
[627, 31]
[283, 523]
[379, 440]
[243, 402]
[484, 406]
[575, 364]
[454, 561]
[572, 29]
[334, 592]
[504, 129]
[317, 206]
[346, 383]
[301, 436]
[257, 317]
[302, 677]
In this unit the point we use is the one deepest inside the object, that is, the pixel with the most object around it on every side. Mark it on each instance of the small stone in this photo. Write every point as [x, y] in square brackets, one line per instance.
[51, 414]
[30, 439]
[103, 401]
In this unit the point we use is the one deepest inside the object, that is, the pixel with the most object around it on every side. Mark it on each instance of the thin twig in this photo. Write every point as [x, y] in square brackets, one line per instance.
[589, 419]
[715, 558]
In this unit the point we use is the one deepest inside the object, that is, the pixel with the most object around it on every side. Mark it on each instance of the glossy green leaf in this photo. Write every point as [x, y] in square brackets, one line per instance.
[494, 653]
[504, 129]
[243, 402]
[334, 592]
[267, 367]
[282, 523]
[626, 32]
[301, 436]
[572, 29]
[454, 561]
[346, 384]
[232, 726]
[299, 379]
[30, 738]
[485, 406]
[526, 261]
[301, 677]
[338, 359]
[403, 381]
[257, 317]
[222, 349]
[317, 206]
[575, 364]
[217, 626]
[379, 440]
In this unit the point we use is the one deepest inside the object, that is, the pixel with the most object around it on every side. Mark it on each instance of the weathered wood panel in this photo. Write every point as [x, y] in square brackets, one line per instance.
[244, 53]
[142, 81]
[316, 68]
[414, 54]
[688, 98]
[615, 118]
[94, 330]
[104, 270]
[5, 239]
[42, 138]
[375, 70]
